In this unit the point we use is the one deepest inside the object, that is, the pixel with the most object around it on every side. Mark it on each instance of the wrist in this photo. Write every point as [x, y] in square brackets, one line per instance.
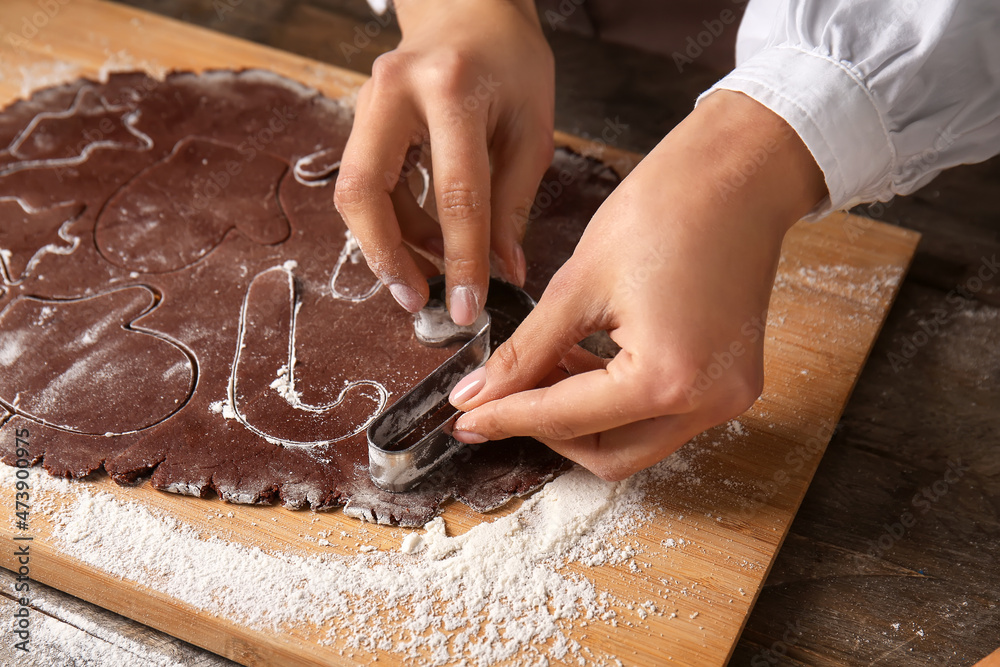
[753, 163]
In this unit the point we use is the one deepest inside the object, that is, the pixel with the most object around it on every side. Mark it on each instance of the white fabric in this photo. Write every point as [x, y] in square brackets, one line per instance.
[885, 93]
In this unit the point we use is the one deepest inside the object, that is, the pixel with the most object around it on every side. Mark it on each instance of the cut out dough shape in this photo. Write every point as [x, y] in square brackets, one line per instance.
[262, 386]
[93, 123]
[27, 233]
[78, 365]
[147, 251]
[319, 168]
[212, 188]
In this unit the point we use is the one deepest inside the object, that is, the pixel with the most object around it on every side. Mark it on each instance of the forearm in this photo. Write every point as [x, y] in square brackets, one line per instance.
[744, 160]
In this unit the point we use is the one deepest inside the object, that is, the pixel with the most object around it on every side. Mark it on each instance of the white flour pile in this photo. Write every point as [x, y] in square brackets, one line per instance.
[500, 589]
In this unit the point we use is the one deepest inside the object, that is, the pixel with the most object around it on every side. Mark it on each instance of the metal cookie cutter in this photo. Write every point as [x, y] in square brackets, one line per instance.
[412, 437]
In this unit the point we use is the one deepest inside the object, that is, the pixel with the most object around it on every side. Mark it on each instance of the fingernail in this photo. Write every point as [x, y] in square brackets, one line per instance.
[520, 265]
[464, 306]
[435, 246]
[468, 437]
[407, 297]
[469, 386]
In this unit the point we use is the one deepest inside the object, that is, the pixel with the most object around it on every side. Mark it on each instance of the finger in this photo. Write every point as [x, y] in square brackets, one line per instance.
[462, 189]
[576, 361]
[621, 452]
[418, 228]
[591, 402]
[427, 268]
[579, 360]
[414, 177]
[520, 162]
[368, 174]
[562, 318]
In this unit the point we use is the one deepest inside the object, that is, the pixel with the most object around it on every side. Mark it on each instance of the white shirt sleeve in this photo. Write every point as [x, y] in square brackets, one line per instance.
[886, 94]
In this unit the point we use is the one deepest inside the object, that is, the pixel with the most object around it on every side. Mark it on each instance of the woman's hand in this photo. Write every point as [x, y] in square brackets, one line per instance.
[475, 80]
[677, 266]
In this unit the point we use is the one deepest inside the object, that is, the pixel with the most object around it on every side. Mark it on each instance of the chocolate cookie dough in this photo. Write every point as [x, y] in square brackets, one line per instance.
[181, 302]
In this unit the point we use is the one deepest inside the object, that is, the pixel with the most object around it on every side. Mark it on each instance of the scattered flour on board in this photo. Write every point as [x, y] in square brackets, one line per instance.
[501, 590]
[45, 74]
[865, 285]
[123, 61]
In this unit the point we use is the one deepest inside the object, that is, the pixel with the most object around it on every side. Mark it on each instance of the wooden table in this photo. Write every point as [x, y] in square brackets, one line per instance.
[828, 600]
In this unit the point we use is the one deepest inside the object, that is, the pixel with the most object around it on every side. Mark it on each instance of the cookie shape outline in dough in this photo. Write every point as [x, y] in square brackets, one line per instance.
[351, 257]
[284, 383]
[133, 228]
[337, 340]
[128, 120]
[318, 169]
[7, 250]
[106, 380]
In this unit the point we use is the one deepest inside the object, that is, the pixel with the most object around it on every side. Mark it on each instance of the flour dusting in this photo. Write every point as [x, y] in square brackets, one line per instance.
[502, 589]
[224, 408]
[285, 387]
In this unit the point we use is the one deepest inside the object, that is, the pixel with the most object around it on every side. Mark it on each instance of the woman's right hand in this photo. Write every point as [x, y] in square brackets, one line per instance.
[677, 266]
[474, 79]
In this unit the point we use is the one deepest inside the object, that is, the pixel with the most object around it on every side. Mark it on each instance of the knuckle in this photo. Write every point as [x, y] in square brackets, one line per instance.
[389, 67]
[668, 393]
[564, 283]
[486, 422]
[447, 72]
[554, 428]
[507, 357]
[551, 420]
[464, 268]
[460, 203]
[660, 385]
[665, 395]
[611, 465]
[352, 190]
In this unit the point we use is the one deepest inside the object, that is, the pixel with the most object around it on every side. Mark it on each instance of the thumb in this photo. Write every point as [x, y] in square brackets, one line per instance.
[564, 316]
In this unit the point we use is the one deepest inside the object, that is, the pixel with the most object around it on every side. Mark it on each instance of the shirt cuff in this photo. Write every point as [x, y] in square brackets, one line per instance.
[833, 112]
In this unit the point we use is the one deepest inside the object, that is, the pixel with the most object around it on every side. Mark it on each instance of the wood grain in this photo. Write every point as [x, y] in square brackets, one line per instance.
[117, 639]
[834, 290]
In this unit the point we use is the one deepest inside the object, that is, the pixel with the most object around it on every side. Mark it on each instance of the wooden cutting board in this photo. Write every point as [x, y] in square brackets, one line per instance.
[836, 282]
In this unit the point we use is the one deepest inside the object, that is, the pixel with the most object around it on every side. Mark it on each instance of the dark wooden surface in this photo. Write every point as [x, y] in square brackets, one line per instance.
[852, 585]
[66, 631]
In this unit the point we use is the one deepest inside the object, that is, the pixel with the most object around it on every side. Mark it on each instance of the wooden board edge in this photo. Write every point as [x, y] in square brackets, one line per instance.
[910, 239]
[621, 161]
[237, 642]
